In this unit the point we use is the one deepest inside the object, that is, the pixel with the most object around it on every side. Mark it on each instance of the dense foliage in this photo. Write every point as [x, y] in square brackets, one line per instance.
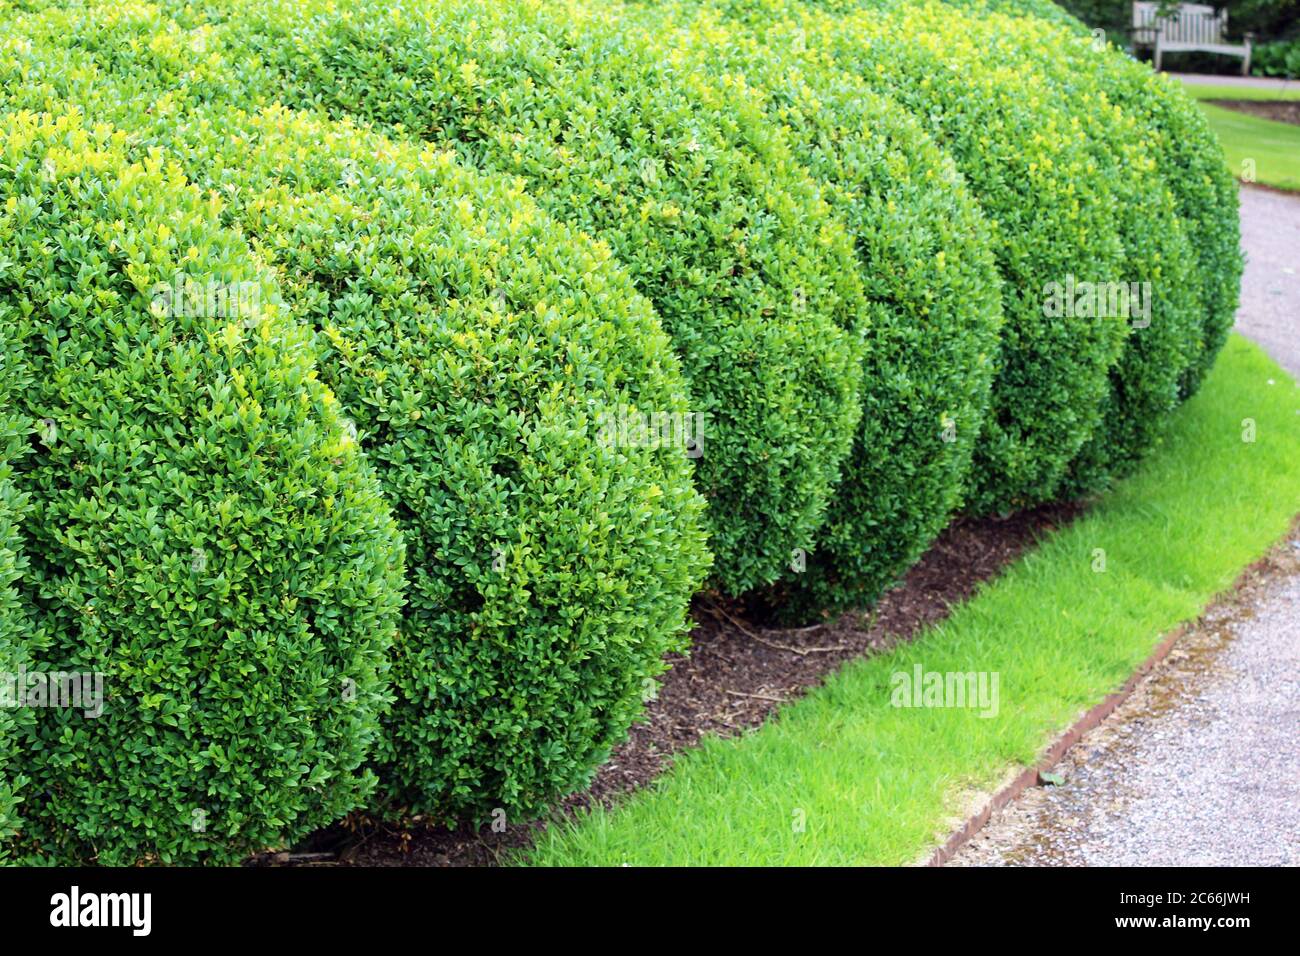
[205, 545]
[930, 280]
[1026, 158]
[1157, 284]
[1278, 59]
[1189, 157]
[489, 355]
[15, 631]
[684, 178]
[495, 364]
[534, 303]
[1133, 125]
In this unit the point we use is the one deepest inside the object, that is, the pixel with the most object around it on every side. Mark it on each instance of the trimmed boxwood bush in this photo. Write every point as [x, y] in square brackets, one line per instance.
[203, 532]
[927, 267]
[494, 363]
[1207, 195]
[1198, 175]
[1027, 161]
[684, 178]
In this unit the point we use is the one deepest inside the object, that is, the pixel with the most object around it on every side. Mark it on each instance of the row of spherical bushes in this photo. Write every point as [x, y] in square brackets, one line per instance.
[382, 537]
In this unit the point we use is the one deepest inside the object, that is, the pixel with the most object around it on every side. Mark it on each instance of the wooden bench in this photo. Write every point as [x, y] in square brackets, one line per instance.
[1186, 27]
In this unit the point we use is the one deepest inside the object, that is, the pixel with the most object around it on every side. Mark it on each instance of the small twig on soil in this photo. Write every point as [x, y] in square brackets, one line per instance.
[777, 700]
[803, 630]
[492, 851]
[303, 857]
[801, 651]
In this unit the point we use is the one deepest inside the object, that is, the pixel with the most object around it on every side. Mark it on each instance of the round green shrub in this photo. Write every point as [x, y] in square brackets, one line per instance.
[1208, 199]
[1203, 185]
[1026, 160]
[684, 178]
[926, 263]
[1160, 264]
[205, 542]
[497, 365]
[494, 363]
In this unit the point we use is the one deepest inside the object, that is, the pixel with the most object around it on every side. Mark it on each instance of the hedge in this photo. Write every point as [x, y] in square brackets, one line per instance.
[1204, 186]
[683, 177]
[925, 260]
[524, 245]
[205, 543]
[930, 337]
[1065, 460]
[1026, 159]
[497, 366]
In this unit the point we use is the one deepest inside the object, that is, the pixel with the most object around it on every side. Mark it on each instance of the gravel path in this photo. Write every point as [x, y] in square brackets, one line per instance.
[1200, 767]
[1270, 288]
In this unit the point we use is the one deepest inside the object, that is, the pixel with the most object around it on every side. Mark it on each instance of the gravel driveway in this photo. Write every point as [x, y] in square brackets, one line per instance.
[1201, 766]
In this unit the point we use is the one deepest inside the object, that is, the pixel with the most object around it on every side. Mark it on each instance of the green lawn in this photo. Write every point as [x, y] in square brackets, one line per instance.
[1274, 147]
[844, 777]
[1242, 92]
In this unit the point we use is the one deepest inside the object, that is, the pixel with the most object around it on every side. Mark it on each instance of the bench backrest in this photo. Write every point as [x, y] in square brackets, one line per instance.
[1187, 23]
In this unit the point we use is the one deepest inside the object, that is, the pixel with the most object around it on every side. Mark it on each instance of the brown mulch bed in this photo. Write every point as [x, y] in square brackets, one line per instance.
[736, 674]
[1282, 111]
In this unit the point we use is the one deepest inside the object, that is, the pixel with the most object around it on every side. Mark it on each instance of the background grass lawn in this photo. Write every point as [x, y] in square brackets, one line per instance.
[843, 777]
[1275, 147]
[1202, 92]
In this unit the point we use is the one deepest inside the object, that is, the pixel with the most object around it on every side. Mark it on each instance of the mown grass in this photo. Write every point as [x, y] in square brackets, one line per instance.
[1274, 147]
[875, 784]
[1203, 92]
